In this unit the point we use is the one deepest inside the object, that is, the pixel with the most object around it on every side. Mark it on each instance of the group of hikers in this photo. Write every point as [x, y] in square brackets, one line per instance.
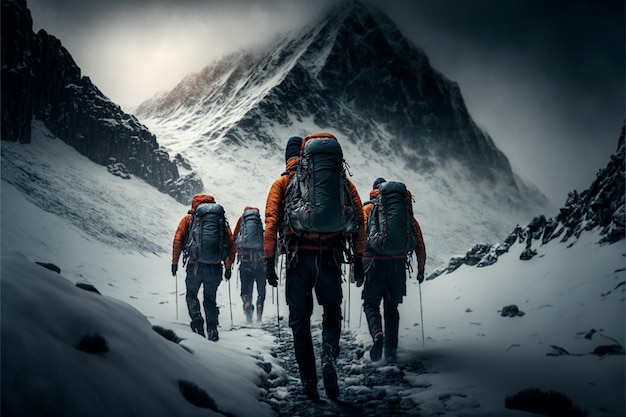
[315, 218]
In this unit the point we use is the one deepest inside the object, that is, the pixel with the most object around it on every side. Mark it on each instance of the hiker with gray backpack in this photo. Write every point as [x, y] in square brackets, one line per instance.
[314, 216]
[204, 238]
[249, 242]
[393, 234]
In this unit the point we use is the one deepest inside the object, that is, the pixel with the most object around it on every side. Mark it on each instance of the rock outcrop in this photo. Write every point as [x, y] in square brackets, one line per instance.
[601, 207]
[41, 80]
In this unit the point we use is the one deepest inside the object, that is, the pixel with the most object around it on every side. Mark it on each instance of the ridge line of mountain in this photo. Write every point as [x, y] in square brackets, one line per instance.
[601, 206]
[41, 80]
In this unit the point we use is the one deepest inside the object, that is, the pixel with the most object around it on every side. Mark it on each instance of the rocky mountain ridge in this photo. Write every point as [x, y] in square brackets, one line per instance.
[600, 207]
[42, 81]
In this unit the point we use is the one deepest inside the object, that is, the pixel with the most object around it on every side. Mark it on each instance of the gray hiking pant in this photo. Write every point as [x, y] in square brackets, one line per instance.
[209, 277]
[385, 279]
[251, 273]
[319, 270]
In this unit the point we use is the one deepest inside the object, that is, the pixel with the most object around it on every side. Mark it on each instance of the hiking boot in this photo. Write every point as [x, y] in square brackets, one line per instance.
[197, 327]
[330, 380]
[248, 315]
[391, 354]
[248, 308]
[329, 373]
[309, 388]
[212, 335]
[376, 351]
[259, 312]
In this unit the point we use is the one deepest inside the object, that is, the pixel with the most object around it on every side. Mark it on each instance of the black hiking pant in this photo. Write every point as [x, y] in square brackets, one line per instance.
[209, 276]
[251, 272]
[385, 279]
[319, 270]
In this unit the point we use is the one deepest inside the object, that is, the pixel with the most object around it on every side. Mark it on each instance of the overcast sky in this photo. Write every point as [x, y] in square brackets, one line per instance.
[545, 78]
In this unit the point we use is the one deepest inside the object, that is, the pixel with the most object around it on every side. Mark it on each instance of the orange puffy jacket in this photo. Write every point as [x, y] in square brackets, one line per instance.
[420, 247]
[183, 228]
[274, 210]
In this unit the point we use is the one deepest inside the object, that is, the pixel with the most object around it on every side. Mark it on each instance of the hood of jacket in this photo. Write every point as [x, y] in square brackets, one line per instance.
[201, 198]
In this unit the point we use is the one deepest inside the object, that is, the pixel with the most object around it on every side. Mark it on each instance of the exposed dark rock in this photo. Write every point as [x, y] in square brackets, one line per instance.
[41, 80]
[590, 334]
[182, 161]
[119, 170]
[604, 350]
[51, 267]
[184, 188]
[527, 254]
[557, 351]
[511, 311]
[87, 287]
[602, 207]
[169, 334]
[93, 343]
[551, 403]
[196, 395]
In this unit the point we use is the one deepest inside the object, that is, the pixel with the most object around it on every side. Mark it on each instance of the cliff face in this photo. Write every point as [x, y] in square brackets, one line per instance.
[41, 80]
[601, 207]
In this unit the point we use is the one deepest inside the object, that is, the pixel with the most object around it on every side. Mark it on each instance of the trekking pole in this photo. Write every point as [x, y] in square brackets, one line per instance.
[231, 307]
[350, 272]
[360, 315]
[280, 274]
[176, 296]
[419, 285]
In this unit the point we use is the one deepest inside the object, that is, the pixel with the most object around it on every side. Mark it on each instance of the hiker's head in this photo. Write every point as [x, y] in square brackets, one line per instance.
[292, 149]
[377, 182]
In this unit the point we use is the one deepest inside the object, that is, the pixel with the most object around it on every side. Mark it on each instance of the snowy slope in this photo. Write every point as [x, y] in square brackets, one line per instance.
[115, 234]
[352, 74]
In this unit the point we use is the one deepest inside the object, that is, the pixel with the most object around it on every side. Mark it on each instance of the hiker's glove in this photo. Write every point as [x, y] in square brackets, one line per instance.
[174, 269]
[420, 276]
[270, 272]
[359, 274]
[227, 274]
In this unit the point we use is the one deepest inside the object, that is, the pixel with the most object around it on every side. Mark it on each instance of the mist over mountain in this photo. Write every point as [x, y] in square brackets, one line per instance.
[600, 207]
[354, 74]
[41, 80]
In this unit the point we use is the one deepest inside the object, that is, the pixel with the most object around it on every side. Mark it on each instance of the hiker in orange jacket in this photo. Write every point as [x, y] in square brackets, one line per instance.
[386, 280]
[208, 275]
[249, 242]
[314, 262]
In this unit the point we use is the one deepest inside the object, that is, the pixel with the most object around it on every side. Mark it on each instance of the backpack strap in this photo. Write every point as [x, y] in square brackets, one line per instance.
[185, 253]
[292, 169]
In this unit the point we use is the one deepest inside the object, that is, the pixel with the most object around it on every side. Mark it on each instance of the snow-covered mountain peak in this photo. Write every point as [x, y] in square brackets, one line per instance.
[352, 73]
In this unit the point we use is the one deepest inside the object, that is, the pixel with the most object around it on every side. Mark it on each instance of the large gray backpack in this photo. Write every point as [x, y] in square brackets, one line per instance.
[207, 239]
[390, 227]
[318, 198]
[250, 235]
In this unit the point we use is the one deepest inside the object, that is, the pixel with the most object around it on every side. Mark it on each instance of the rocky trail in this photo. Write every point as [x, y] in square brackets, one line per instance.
[367, 388]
